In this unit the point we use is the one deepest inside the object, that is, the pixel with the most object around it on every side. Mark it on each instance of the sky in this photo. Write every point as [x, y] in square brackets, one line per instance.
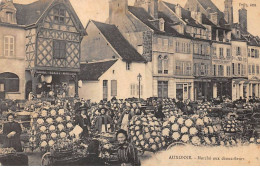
[98, 10]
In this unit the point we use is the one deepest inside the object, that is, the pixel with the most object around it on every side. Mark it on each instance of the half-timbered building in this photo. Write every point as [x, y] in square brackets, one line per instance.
[51, 34]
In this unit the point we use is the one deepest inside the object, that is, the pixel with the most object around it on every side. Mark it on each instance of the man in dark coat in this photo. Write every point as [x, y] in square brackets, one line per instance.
[83, 120]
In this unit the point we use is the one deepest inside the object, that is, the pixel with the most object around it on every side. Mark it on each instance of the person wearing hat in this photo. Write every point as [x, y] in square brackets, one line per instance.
[103, 121]
[83, 120]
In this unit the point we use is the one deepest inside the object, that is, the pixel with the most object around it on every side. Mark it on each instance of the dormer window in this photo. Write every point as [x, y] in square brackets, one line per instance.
[161, 24]
[9, 17]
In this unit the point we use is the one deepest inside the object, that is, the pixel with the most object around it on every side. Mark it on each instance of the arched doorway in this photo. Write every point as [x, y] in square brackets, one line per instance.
[9, 82]
[28, 88]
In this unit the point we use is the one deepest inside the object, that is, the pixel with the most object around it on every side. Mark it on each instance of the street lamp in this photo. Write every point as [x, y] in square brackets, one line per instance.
[139, 78]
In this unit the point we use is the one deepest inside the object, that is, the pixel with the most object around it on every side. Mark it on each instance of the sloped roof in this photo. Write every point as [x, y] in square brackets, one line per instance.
[28, 14]
[92, 71]
[186, 16]
[119, 43]
[209, 4]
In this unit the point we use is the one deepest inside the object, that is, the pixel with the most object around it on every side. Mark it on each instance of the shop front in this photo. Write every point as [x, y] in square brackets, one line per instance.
[222, 87]
[202, 89]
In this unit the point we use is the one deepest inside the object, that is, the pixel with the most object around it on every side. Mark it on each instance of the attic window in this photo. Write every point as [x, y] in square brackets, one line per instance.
[59, 15]
[161, 24]
[9, 17]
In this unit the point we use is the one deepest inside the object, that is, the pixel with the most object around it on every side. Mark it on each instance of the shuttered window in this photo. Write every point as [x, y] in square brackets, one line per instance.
[113, 87]
[59, 49]
[9, 46]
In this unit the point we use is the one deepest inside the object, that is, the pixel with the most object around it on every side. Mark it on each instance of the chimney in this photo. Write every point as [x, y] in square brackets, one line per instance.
[178, 10]
[214, 17]
[228, 11]
[151, 6]
[117, 8]
[242, 14]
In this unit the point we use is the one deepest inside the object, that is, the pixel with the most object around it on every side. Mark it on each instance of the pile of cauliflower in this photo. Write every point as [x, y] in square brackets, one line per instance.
[146, 133]
[195, 129]
[50, 124]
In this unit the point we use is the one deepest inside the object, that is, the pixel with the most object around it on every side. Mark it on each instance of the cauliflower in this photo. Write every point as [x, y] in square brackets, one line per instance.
[166, 132]
[154, 147]
[132, 133]
[43, 137]
[147, 135]
[157, 139]
[69, 125]
[53, 135]
[43, 144]
[215, 128]
[142, 143]
[137, 133]
[52, 128]
[205, 130]
[222, 143]
[61, 127]
[213, 140]
[163, 143]
[193, 131]
[188, 122]
[43, 128]
[49, 121]
[175, 127]
[172, 119]
[40, 121]
[63, 134]
[140, 137]
[32, 139]
[146, 146]
[138, 122]
[51, 143]
[151, 140]
[154, 133]
[68, 118]
[199, 122]
[44, 113]
[185, 138]
[156, 123]
[184, 129]
[134, 138]
[195, 140]
[176, 136]
[53, 112]
[61, 112]
[137, 128]
[59, 119]
[180, 121]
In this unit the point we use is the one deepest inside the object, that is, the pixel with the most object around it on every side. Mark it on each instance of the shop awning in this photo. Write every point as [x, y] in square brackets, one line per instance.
[246, 82]
[237, 82]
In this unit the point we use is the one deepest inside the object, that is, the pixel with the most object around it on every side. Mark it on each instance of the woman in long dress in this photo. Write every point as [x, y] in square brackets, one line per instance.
[12, 131]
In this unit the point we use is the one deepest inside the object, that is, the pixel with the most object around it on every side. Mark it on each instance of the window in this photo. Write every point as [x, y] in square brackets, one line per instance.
[113, 88]
[105, 89]
[214, 70]
[238, 69]
[202, 69]
[253, 69]
[238, 52]
[256, 53]
[221, 70]
[252, 53]
[188, 68]
[179, 68]
[233, 68]
[132, 91]
[228, 53]
[177, 46]
[249, 69]
[165, 42]
[9, 46]
[128, 66]
[228, 71]
[160, 63]
[59, 49]
[221, 52]
[163, 64]
[9, 17]
[59, 15]
[257, 69]
[214, 51]
[159, 42]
